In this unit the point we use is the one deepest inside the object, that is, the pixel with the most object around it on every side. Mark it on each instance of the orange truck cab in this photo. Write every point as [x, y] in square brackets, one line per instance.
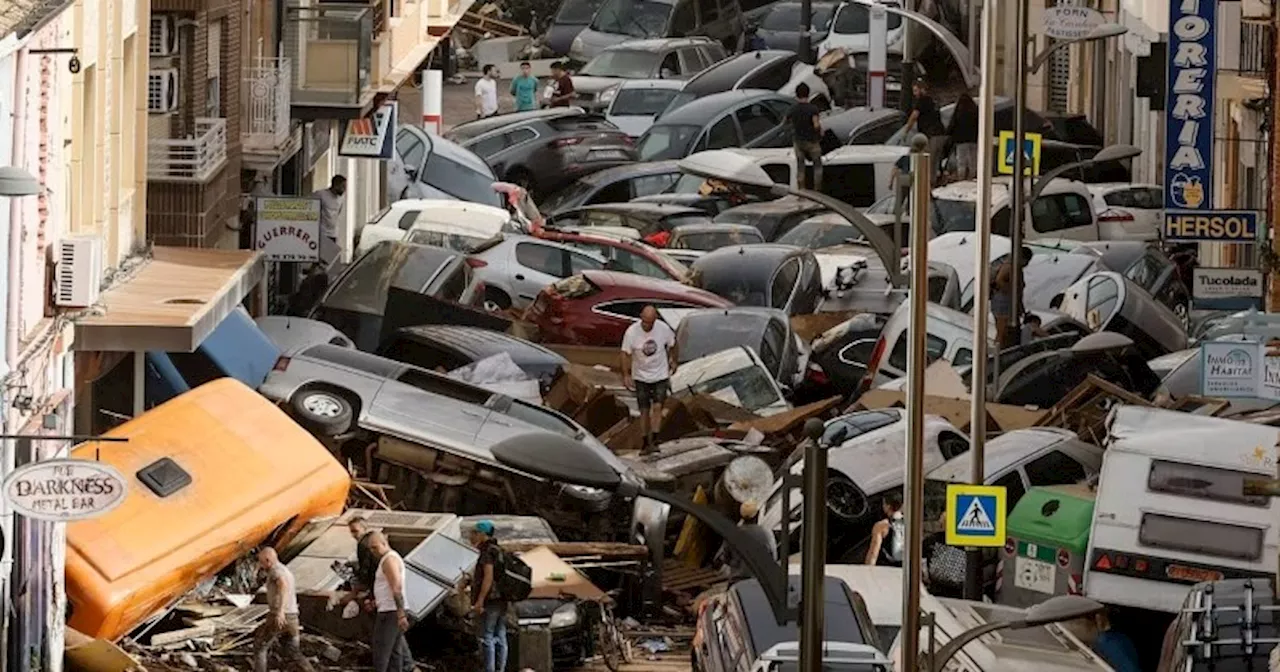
[211, 474]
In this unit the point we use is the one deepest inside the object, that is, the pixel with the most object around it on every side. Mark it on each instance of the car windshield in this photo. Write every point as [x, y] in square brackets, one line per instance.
[622, 63]
[363, 288]
[707, 335]
[785, 17]
[741, 286]
[854, 19]
[667, 142]
[570, 196]
[642, 102]
[577, 12]
[459, 181]
[813, 235]
[680, 100]
[749, 387]
[449, 241]
[637, 18]
[714, 240]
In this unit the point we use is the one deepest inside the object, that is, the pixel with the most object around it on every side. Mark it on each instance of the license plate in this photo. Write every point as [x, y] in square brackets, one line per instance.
[606, 154]
[1192, 574]
[1036, 575]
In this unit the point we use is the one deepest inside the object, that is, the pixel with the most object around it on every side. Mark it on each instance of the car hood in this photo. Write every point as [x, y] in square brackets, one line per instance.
[593, 85]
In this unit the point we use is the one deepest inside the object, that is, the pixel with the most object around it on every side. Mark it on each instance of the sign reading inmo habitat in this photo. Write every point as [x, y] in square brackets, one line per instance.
[64, 490]
[1234, 369]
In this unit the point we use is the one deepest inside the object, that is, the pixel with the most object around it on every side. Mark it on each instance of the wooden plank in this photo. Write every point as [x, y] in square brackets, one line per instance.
[569, 549]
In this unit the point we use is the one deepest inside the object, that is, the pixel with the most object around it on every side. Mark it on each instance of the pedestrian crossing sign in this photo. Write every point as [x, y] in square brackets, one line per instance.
[975, 515]
[1030, 149]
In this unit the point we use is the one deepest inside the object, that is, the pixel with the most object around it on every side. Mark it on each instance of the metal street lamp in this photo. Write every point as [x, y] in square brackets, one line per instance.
[964, 61]
[1100, 32]
[17, 182]
[1108, 153]
[1053, 610]
[736, 168]
[566, 460]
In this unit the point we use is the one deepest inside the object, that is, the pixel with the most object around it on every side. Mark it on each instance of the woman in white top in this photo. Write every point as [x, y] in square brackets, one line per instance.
[390, 650]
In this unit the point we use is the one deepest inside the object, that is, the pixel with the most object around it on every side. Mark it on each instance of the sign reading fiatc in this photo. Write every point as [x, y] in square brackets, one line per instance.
[64, 490]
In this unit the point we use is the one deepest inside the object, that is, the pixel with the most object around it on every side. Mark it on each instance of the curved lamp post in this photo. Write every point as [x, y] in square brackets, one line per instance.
[1052, 610]
[1109, 153]
[566, 460]
[1100, 32]
[730, 166]
[964, 60]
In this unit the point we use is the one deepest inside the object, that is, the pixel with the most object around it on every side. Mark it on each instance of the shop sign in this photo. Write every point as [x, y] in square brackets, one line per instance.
[1235, 369]
[1071, 23]
[1219, 226]
[287, 229]
[1225, 284]
[1188, 170]
[371, 137]
[64, 490]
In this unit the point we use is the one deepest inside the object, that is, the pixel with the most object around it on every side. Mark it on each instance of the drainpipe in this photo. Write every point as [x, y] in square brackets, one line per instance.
[15, 208]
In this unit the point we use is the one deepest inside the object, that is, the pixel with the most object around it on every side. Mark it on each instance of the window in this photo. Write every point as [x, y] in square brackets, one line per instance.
[452, 288]
[709, 10]
[487, 147]
[649, 185]
[722, 134]
[772, 77]
[853, 183]
[424, 355]
[778, 172]
[195, 367]
[683, 21]
[459, 181]
[213, 83]
[1101, 303]
[627, 309]
[1055, 468]
[1013, 489]
[581, 262]
[857, 353]
[444, 386]
[601, 218]
[670, 66]
[629, 262]
[1200, 482]
[1046, 216]
[964, 357]
[755, 120]
[410, 149]
[164, 477]
[541, 258]
[1145, 271]
[877, 134]
[1201, 536]
[1075, 209]
[520, 135]
[784, 282]
[692, 60]
[934, 348]
[407, 219]
[775, 343]
[617, 192]
[1122, 198]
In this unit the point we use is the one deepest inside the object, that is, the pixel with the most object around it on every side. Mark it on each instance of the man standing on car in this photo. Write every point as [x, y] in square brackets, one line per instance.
[648, 361]
[561, 86]
[390, 650]
[485, 602]
[806, 137]
[926, 119]
[282, 615]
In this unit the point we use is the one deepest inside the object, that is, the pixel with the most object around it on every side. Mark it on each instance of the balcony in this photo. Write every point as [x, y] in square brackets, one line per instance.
[267, 137]
[343, 55]
[194, 160]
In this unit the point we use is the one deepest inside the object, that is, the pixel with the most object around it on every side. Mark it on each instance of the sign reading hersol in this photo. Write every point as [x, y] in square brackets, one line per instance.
[64, 490]
[1223, 226]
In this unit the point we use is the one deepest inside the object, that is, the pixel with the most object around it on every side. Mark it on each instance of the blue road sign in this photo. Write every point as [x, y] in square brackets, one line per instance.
[975, 515]
[1030, 149]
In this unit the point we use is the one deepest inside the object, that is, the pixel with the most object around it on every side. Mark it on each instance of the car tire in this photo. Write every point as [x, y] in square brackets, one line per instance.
[496, 300]
[322, 411]
[845, 501]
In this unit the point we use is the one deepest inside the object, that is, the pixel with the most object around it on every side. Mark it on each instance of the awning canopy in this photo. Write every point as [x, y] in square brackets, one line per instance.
[172, 302]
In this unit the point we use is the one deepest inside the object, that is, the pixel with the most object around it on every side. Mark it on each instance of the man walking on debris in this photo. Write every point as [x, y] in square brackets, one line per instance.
[485, 600]
[648, 362]
[390, 650]
[282, 615]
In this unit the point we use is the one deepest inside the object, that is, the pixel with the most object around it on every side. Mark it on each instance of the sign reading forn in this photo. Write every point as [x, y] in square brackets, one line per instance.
[64, 490]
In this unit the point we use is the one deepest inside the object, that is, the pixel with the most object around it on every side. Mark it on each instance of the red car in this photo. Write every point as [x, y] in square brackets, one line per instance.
[596, 307]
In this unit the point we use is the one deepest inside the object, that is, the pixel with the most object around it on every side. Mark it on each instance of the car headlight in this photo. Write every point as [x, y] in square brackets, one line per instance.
[564, 617]
[609, 93]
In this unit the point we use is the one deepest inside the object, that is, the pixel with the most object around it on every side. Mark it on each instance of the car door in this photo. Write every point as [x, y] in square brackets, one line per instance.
[782, 287]
[537, 264]
[505, 150]
[723, 134]
[756, 122]
[406, 165]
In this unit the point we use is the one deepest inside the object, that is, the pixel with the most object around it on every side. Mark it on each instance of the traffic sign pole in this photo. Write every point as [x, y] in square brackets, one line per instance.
[1019, 162]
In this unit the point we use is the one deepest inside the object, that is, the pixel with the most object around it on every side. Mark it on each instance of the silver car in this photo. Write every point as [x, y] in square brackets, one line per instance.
[518, 267]
[334, 391]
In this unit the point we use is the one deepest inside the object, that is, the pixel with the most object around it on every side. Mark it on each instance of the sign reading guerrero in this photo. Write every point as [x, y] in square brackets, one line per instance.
[287, 229]
[64, 490]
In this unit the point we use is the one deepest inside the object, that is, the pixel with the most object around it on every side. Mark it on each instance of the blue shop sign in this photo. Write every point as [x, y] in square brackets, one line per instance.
[1188, 140]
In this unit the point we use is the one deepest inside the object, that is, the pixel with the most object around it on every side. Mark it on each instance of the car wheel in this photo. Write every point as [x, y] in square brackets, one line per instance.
[844, 500]
[496, 300]
[324, 412]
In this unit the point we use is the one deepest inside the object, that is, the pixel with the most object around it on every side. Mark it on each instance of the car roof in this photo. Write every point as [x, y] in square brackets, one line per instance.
[785, 205]
[758, 316]
[857, 116]
[1116, 255]
[652, 84]
[841, 622]
[641, 209]
[489, 124]
[659, 43]
[715, 227]
[865, 154]
[616, 173]
[727, 73]
[1100, 188]
[755, 256]
[1007, 450]
[644, 283]
[479, 342]
[967, 190]
[700, 111]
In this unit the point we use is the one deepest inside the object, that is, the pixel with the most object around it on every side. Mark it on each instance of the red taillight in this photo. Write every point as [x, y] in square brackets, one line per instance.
[1115, 216]
[816, 375]
[565, 142]
[476, 263]
[1064, 558]
[281, 364]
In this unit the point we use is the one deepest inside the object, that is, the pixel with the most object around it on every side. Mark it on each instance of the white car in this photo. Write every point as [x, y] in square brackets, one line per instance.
[456, 225]
[1063, 210]
[1129, 211]
[635, 103]
[849, 30]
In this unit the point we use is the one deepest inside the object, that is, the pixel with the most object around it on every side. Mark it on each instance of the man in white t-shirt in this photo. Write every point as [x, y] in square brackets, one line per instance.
[487, 93]
[648, 360]
[390, 650]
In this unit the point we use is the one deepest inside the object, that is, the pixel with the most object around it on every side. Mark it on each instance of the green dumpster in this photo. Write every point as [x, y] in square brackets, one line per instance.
[1048, 539]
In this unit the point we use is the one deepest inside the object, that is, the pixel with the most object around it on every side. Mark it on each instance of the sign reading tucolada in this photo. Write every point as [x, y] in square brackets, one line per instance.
[64, 490]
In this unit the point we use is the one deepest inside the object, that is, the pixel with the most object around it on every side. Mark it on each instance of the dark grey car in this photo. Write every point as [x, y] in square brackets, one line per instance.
[767, 331]
[738, 118]
[780, 26]
[767, 275]
[773, 218]
[1148, 266]
[572, 17]
[614, 185]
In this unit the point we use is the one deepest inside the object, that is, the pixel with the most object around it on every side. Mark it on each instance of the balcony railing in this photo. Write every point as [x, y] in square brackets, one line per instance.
[265, 92]
[330, 51]
[195, 159]
[1255, 49]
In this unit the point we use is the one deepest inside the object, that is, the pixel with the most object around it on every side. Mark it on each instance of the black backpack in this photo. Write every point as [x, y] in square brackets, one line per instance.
[514, 577]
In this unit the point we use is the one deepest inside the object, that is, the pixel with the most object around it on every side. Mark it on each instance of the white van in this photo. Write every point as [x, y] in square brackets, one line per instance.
[855, 174]
[1190, 522]
[1063, 210]
[949, 336]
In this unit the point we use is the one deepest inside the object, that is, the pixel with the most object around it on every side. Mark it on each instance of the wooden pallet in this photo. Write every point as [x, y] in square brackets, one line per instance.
[679, 577]
[480, 25]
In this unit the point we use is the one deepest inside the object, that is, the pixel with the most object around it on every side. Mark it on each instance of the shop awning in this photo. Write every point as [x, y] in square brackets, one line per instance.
[172, 302]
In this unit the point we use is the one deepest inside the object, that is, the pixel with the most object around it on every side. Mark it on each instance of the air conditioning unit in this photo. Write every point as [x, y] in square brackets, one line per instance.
[164, 38]
[162, 91]
[78, 276]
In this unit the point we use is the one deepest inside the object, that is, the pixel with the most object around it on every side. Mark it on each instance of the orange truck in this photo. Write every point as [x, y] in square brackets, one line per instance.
[212, 474]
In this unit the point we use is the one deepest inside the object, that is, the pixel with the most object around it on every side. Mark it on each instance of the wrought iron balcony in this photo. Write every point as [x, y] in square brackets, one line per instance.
[194, 159]
[265, 91]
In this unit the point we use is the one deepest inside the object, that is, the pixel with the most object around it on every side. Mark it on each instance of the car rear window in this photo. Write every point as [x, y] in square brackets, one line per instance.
[583, 123]
[1204, 537]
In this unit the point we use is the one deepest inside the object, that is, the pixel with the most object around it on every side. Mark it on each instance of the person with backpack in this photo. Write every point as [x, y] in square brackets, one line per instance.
[889, 536]
[487, 600]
